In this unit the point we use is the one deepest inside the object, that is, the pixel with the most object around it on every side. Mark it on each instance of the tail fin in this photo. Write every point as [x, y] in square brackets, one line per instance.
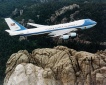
[13, 25]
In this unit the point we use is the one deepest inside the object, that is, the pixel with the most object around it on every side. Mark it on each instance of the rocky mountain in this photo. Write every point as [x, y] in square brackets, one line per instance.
[52, 12]
[56, 66]
[61, 16]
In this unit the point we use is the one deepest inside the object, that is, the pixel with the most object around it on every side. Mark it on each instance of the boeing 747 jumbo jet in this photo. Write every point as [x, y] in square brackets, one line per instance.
[63, 31]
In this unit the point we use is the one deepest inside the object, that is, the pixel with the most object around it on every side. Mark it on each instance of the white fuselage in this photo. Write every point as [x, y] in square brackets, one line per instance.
[82, 24]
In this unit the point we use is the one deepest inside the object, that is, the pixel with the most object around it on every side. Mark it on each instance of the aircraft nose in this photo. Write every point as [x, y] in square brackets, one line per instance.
[90, 23]
[93, 22]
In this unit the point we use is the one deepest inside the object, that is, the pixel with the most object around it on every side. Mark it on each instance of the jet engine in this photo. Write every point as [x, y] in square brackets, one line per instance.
[73, 34]
[65, 37]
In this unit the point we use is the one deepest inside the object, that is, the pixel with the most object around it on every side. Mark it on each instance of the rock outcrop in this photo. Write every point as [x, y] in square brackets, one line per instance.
[57, 66]
[71, 10]
[17, 12]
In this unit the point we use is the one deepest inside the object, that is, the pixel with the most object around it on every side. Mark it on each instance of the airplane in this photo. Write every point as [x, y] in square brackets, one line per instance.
[63, 31]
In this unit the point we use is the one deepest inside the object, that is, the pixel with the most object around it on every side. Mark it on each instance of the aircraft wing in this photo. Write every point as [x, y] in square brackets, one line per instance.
[36, 25]
[61, 32]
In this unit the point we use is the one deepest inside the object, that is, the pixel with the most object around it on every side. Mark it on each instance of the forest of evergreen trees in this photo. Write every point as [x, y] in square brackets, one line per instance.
[10, 45]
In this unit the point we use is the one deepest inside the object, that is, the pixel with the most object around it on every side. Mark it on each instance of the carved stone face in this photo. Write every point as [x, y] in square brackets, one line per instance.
[19, 69]
[29, 69]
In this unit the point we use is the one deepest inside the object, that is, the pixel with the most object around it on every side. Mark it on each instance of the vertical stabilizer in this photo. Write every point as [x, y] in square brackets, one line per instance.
[13, 25]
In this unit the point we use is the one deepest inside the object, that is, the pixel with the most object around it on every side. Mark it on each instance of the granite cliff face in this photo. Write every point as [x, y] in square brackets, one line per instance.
[72, 10]
[57, 66]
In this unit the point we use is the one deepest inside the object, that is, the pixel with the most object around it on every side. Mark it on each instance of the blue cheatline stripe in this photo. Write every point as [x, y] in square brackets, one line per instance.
[21, 27]
[49, 31]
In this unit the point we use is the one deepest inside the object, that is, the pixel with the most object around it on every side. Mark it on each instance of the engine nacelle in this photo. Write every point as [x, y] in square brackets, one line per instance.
[73, 34]
[65, 37]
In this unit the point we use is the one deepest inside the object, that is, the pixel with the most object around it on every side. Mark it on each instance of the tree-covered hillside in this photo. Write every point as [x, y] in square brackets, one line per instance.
[39, 12]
